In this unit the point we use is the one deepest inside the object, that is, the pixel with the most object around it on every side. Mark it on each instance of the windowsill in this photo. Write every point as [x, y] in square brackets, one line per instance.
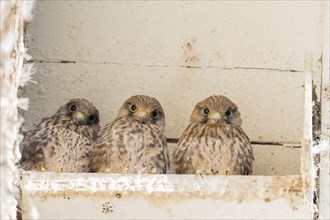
[210, 195]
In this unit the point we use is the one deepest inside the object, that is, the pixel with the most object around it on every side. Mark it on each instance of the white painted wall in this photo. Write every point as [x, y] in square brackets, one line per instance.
[243, 50]
[180, 53]
[251, 52]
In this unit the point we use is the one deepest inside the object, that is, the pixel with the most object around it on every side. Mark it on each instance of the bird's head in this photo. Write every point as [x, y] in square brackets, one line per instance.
[214, 110]
[144, 109]
[82, 112]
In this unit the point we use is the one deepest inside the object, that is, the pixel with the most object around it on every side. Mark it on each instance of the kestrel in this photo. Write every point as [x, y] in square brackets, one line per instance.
[62, 142]
[134, 142]
[214, 142]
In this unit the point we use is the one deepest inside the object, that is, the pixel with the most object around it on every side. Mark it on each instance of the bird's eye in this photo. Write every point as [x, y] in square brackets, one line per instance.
[228, 112]
[91, 118]
[206, 111]
[73, 108]
[133, 108]
[154, 114]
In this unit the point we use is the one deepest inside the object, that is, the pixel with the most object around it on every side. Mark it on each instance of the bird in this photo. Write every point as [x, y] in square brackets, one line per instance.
[214, 142]
[135, 141]
[62, 142]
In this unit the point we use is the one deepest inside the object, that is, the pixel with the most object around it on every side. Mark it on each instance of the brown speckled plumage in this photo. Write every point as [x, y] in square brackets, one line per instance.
[63, 141]
[214, 141]
[134, 142]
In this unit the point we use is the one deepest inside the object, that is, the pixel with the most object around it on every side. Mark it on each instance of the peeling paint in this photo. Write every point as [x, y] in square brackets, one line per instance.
[13, 75]
[166, 187]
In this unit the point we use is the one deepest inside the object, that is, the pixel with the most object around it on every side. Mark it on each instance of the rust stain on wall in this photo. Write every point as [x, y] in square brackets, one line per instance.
[190, 56]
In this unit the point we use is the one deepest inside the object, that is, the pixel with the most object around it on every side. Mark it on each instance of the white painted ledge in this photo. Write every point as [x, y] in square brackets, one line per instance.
[113, 196]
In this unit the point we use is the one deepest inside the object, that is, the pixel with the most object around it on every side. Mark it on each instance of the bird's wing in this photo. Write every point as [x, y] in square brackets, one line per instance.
[166, 155]
[242, 153]
[33, 145]
[55, 147]
[152, 151]
[108, 151]
[184, 155]
[128, 146]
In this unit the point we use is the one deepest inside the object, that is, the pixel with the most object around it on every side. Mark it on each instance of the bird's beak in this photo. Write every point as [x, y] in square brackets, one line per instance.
[142, 115]
[215, 118]
[79, 117]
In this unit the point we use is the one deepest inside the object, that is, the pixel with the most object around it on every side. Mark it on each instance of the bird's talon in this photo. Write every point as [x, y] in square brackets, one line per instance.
[153, 170]
[107, 170]
[209, 172]
[215, 172]
[227, 172]
[198, 172]
[42, 169]
[124, 171]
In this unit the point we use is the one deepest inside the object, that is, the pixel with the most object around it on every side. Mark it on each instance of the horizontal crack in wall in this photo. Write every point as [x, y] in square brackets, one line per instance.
[154, 65]
[291, 145]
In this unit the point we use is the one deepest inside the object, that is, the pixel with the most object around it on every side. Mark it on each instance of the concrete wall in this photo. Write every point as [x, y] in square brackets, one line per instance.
[180, 53]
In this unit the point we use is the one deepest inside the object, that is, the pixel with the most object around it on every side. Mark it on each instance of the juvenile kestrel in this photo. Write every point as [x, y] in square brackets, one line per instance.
[134, 142]
[214, 142]
[63, 141]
